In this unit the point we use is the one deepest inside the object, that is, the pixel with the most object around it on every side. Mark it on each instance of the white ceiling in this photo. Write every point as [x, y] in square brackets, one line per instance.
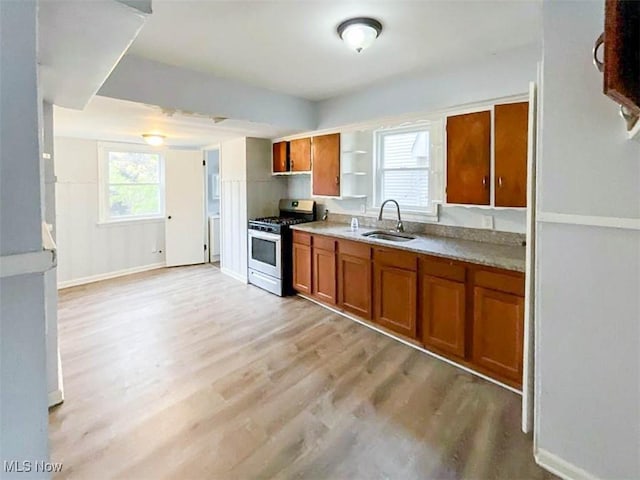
[122, 121]
[292, 46]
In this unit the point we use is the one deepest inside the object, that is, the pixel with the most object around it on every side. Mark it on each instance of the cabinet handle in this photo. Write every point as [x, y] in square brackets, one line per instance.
[292, 163]
[500, 181]
[484, 181]
[338, 180]
[628, 117]
[596, 48]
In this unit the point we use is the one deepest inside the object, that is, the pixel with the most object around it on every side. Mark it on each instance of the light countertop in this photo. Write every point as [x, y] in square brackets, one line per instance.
[509, 257]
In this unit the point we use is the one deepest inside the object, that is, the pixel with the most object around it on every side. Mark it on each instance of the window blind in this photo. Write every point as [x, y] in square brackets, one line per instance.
[404, 168]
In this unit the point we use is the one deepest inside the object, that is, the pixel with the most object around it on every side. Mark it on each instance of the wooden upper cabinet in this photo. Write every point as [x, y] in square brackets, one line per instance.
[300, 155]
[622, 53]
[324, 270]
[281, 157]
[354, 278]
[511, 135]
[326, 165]
[498, 325]
[469, 158]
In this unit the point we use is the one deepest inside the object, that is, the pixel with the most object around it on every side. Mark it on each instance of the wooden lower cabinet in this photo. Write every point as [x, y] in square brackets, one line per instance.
[302, 268]
[354, 285]
[394, 293]
[443, 314]
[472, 314]
[498, 324]
[324, 275]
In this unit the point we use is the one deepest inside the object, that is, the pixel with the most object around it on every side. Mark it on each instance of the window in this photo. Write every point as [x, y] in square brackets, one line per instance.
[132, 184]
[403, 167]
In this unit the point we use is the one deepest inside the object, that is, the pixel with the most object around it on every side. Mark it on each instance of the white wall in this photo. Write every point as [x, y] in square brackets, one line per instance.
[233, 208]
[504, 74]
[54, 382]
[247, 190]
[87, 250]
[23, 373]
[588, 277]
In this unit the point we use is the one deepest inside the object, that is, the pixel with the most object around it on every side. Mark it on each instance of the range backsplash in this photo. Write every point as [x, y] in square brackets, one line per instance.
[463, 233]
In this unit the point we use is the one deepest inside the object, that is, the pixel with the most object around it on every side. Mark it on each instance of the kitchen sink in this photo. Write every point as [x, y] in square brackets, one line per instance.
[389, 236]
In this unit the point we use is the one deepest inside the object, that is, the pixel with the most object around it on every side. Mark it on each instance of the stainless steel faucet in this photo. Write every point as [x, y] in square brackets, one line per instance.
[399, 225]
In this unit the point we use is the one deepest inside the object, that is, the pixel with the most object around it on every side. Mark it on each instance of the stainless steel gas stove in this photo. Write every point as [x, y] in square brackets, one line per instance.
[271, 244]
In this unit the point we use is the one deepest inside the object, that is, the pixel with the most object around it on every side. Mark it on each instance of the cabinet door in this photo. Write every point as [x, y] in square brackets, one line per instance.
[497, 333]
[511, 134]
[469, 158]
[442, 312]
[394, 293]
[280, 157]
[300, 155]
[354, 285]
[326, 165]
[302, 268]
[324, 275]
[621, 62]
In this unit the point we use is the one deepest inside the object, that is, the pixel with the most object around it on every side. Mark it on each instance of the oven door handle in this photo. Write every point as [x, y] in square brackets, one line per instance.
[264, 235]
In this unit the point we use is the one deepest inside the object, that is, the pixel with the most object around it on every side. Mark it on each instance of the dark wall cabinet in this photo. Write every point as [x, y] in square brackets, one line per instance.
[469, 146]
[325, 171]
[469, 158]
[622, 54]
[281, 157]
[300, 155]
[511, 148]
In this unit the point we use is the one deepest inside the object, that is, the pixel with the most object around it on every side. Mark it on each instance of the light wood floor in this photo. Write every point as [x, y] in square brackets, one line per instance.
[185, 373]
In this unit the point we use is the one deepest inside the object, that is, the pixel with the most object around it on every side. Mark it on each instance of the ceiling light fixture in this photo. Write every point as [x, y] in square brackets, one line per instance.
[153, 139]
[359, 33]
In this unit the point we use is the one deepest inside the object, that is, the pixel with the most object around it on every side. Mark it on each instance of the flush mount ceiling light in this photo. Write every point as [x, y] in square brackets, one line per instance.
[359, 33]
[153, 139]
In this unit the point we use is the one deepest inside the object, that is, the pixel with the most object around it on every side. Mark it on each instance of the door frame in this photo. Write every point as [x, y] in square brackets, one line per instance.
[528, 363]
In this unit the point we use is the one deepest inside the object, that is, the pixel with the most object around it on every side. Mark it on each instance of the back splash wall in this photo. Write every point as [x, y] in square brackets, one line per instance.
[299, 186]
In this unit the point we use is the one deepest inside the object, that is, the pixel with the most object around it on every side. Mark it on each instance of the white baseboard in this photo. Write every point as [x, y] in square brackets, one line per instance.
[214, 258]
[236, 275]
[106, 276]
[560, 467]
[55, 398]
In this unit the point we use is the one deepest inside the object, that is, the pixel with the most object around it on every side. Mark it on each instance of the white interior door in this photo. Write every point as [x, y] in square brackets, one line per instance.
[184, 196]
[529, 312]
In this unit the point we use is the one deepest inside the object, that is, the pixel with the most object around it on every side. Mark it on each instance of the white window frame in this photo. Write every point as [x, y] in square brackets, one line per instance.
[104, 216]
[435, 163]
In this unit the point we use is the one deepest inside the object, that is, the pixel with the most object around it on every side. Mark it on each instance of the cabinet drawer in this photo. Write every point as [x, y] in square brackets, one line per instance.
[302, 238]
[396, 258]
[324, 243]
[354, 249]
[502, 282]
[442, 268]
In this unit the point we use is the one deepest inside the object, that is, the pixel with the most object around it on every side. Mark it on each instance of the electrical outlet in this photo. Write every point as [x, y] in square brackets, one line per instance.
[487, 222]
